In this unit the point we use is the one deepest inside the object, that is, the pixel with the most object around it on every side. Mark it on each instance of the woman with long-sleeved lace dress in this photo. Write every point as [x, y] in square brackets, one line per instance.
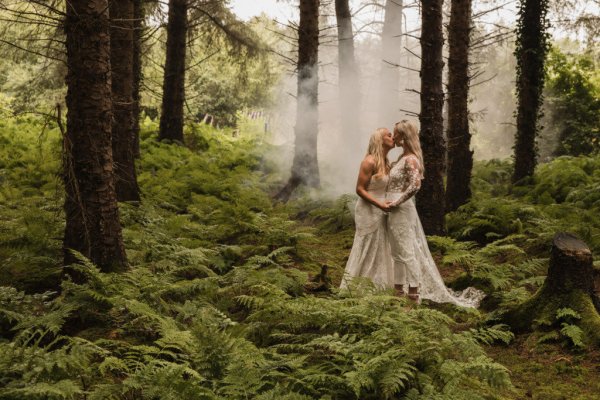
[370, 256]
[413, 265]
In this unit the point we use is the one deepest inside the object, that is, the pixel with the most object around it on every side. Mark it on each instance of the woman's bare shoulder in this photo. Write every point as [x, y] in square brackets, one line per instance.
[369, 160]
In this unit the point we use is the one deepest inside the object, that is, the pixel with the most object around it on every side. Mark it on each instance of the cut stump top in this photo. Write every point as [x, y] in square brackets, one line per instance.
[570, 244]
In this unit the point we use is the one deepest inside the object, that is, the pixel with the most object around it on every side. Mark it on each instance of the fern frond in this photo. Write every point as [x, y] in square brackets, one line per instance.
[573, 333]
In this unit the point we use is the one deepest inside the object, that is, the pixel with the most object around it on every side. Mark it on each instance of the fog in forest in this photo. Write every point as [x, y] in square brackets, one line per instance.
[382, 104]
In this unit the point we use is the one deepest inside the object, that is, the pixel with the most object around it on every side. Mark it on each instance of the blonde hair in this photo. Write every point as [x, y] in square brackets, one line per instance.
[410, 134]
[375, 149]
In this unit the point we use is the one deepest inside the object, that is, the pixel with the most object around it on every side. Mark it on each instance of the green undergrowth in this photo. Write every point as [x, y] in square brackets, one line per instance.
[502, 237]
[223, 298]
[546, 372]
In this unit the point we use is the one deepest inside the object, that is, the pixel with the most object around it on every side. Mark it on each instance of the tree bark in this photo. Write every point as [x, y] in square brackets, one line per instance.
[171, 118]
[431, 198]
[305, 167]
[124, 119]
[389, 79]
[138, 27]
[569, 284]
[460, 156]
[349, 86]
[92, 214]
[531, 54]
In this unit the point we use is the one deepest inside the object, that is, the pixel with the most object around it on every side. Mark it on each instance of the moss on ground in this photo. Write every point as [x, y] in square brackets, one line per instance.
[548, 372]
[542, 308]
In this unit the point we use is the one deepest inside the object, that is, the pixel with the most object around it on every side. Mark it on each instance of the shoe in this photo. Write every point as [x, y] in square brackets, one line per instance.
[399, 290]
[413, 294]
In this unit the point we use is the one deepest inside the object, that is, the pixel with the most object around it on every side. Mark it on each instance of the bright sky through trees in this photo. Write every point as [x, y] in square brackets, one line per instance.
[283, 11]
[247, 9]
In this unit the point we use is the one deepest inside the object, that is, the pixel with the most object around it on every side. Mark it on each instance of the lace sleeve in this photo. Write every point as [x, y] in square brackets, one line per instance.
[413, 181]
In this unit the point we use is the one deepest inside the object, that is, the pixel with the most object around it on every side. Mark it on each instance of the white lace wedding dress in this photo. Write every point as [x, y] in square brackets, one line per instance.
[370, 256]
[412, 261]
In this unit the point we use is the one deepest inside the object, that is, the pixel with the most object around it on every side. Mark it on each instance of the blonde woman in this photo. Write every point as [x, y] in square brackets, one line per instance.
[370, 255]
[414, 268]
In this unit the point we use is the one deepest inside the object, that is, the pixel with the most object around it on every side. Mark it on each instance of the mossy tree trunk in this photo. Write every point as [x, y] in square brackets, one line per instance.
[171, 116]
[460, 156]
[570, 284]
[305, 166]
[124, 117]
[431, 197]
[531, 49]
[91, 209]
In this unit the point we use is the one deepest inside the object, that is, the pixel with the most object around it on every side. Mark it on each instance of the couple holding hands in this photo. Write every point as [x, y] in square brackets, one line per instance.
[390, 247]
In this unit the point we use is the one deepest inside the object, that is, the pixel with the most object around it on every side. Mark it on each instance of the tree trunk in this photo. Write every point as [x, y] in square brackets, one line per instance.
[138, 27]
[569, 284]
[531, 49]
[349, 87]
[171, 118]
[389, 79]
[596, 296]
[460, 156]
[121, 60]
[92, 214]
[305, 167]
[430, 199]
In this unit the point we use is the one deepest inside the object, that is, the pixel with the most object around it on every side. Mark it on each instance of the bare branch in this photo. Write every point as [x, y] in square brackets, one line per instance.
[31, 51]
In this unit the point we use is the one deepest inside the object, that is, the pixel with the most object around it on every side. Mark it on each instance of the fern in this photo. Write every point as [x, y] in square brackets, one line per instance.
[491, 334]
[573, 333]
[214, 305]
[567, 314]
[63, 389]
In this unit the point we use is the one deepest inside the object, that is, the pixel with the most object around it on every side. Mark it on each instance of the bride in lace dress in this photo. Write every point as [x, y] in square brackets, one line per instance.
[413, 265]
[370, 256]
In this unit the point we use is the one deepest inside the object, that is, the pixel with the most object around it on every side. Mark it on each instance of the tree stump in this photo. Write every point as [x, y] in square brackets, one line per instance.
[570, 283]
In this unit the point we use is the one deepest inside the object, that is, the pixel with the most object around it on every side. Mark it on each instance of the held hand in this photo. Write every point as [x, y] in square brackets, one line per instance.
[385, 207]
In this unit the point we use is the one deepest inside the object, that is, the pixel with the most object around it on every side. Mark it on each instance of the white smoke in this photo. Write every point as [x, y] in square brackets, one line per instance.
[340, 153]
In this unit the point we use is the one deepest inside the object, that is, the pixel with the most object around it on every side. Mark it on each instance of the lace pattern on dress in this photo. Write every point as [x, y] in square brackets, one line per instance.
[405, 179]
[408, 241]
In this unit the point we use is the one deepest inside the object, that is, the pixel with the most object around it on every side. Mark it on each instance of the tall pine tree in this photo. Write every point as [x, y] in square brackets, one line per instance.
[349, 87]
[92, 215]
[531, 49]
[460, 156]
[391, 47]
[171, 116]
[124, 117]
[431, 198]
[305, 167]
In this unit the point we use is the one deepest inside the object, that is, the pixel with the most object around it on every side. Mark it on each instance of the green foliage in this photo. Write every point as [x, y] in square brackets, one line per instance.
[566, 329]
[333, 216]
[556, 180]
[224, 77]
[563, 195]
[574, 100]
[532, 44]
[214, 304]
[30, 222]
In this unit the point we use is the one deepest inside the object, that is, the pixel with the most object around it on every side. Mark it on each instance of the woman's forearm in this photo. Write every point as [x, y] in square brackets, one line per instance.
[366, 196]
[413, 186]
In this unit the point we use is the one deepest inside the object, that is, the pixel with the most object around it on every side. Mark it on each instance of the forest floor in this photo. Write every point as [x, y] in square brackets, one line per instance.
[546, 371]
[218, 302]
[549, 371]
